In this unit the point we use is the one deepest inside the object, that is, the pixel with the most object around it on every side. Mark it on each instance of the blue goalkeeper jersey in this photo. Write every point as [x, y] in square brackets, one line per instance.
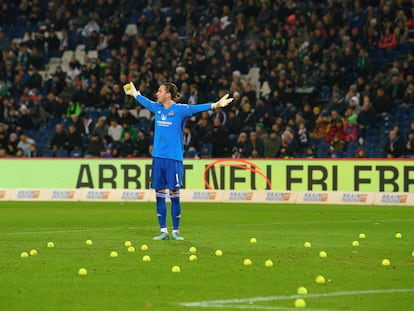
[169, 126]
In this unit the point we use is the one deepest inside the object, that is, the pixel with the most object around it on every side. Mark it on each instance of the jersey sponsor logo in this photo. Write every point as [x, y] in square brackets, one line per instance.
[163, 117]
[277, 196]
[394, 198]
[164, 123]
[62, 194]
[354, 197]
[315, 197]
[28, 194]
[171, 113]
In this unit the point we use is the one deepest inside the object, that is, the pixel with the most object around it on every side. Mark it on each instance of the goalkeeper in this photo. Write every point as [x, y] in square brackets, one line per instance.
[167, 154]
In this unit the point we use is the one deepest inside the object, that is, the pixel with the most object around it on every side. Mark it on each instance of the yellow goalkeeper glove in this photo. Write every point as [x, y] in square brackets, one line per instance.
[130, 89]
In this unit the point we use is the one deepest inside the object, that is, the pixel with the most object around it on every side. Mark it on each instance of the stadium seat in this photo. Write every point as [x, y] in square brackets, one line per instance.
[351, 149]
[323, 150]
[62, 153]
[190, 154]
[47, 153]
[206, 150]
[131, 30]
[145, 113]
[76, 153]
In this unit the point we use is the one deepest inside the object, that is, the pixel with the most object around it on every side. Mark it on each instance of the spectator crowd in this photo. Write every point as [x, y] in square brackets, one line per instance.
[309, 78]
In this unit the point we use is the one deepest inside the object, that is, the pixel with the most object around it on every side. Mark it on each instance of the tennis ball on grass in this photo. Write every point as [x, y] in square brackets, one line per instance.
[127, 243]
[307, 244]
[398, 235]
[302, 290]
[385, 262]
[131, 249]
[323, 254]
[113, 254]
[320, 279]
[50, 244]
[300, 303]
[146, 258]
[192, 257]
[253, 240]
[362, 236]
[82, 271]
[144, 247]
[247, 262]
[33, 252]
[193, 250]
[176, 269]
[24, 255]
[355, 243]
[88, 242]
[218, 253]
[268, 263]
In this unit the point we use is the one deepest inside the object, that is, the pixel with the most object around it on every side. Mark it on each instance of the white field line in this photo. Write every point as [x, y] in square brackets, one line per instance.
[252, 307]
[235, 303]
[72, 230]
[374, 221]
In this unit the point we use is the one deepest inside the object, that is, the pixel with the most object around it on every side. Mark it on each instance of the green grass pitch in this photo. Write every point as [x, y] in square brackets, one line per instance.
[355, 277]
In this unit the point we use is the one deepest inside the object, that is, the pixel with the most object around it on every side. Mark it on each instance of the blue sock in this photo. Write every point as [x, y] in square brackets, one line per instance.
[161, 209]
[175, 210]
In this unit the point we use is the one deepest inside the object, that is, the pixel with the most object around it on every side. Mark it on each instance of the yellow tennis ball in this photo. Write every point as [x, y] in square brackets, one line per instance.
[247, 262]
[82, 271]
[300, 303]
[355, 243]
[144, 247]
[113, 254]
[146, 258]
[24, 255]
[268, 263]
[323, 254]
[307, 244]
[176, 269]
[192, 257]
[193, 250]
[302, 290]
[218, 253]
[320, 279]
[385, 262]
[131, 249]
[33, 252]
[127, 243]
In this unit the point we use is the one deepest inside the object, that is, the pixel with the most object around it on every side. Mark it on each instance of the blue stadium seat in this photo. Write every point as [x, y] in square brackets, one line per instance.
[206, 150]
[323, 150]
[190, 154]
[62, 154]
[47, 153]
[351, 149]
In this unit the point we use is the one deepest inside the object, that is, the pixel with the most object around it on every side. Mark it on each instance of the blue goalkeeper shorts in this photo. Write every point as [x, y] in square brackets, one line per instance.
[166, 174]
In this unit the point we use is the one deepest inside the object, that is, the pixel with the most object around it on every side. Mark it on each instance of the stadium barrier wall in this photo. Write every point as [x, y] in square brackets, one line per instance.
[253, 196]
[313, 181]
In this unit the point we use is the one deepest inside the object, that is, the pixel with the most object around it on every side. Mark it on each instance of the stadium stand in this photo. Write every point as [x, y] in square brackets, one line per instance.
[293, 54]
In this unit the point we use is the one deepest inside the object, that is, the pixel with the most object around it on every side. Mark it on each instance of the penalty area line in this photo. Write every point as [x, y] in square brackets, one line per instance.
[236, 303]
